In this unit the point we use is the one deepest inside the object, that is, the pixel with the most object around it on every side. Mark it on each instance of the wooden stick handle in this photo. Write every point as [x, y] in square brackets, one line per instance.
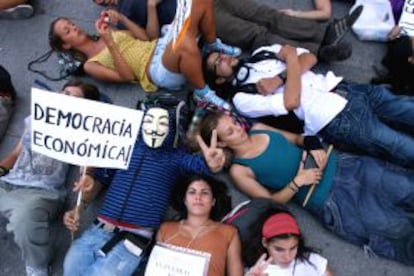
[312, 188]
[78, 203]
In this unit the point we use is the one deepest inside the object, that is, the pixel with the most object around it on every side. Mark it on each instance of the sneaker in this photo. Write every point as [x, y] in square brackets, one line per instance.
[211, 97]
[218, 46]
[335, 52]
[32, 271]
[17, 12]
[336, 31]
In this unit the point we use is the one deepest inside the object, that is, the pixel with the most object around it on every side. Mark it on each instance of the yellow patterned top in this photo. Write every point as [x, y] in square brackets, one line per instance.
[136, 53]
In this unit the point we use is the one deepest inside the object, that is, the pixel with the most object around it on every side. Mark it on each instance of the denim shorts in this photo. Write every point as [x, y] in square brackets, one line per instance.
[160, 75]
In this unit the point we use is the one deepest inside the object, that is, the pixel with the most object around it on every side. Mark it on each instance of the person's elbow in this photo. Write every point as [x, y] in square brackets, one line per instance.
[312, 59]
[292, 103]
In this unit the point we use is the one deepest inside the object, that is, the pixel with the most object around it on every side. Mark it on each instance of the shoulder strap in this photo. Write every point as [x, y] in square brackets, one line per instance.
[243, 70]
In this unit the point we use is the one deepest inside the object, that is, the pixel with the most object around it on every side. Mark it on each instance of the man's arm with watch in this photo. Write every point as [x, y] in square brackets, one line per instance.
[8, 162]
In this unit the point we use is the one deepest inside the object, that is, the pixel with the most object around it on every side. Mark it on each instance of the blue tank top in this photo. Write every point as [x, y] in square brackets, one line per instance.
[278, 164]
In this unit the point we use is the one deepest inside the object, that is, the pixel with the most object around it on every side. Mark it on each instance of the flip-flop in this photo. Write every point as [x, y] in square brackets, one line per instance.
[336, 31]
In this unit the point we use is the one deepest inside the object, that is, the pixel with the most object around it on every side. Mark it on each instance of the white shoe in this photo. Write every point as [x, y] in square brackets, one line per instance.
[18, 12]
[32, 271]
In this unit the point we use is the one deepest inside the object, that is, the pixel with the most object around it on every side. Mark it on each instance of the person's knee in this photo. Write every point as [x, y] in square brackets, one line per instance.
[32, 227]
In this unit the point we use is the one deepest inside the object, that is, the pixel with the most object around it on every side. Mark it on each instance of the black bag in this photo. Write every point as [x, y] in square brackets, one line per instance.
[68, 63]
[248, 217]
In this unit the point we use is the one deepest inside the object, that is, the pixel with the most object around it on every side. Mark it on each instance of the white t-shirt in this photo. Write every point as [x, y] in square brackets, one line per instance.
[316, 267]
[317, 105]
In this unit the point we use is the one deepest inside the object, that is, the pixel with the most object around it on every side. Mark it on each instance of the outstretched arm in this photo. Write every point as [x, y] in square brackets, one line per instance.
[322, 11]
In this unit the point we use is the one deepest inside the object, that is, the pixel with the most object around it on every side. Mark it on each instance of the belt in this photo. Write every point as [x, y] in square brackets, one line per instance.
[112, 228]
[109, 227]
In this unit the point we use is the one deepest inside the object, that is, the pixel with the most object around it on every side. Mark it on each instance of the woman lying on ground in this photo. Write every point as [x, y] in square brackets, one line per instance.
[363, 199]
[136, 54]
[283, 243]
[204, 201]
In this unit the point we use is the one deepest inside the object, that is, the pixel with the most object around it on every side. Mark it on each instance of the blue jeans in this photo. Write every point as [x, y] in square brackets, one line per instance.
[377, 122]
[369, 204]
[83, 257]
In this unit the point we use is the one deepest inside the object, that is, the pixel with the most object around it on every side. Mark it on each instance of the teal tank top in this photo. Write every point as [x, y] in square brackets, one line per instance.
[278, 164]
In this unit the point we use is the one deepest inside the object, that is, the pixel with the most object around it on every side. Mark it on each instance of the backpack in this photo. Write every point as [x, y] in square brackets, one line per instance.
[68, 63]
[7, 99]
[176, 107]
[248, 217]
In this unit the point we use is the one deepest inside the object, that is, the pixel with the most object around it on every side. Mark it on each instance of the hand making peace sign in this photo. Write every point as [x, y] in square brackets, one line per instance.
[214, 156]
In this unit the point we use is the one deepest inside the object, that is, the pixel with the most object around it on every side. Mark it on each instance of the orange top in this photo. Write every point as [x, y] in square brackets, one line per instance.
[216, 241]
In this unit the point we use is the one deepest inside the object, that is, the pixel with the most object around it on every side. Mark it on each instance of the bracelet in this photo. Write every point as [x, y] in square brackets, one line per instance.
[295, 190]
[295, 184]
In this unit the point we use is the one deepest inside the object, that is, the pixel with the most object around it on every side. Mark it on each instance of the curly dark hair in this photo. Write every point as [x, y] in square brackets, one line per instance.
[218, 188]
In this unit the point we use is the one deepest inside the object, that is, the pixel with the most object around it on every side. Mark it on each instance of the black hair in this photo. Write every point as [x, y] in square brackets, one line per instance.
[225, 90]
[218, 188]
[90, 91]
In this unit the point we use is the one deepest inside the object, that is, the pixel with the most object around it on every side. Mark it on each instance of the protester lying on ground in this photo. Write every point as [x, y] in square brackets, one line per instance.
[278, 81]
[32, 192]
[137, 198]
[349, 189]
[122, 56]
[322, 11]
[284, 251]
[204, 201]
[15, 9]
[252, 24]
[136, 10]
[399, 63]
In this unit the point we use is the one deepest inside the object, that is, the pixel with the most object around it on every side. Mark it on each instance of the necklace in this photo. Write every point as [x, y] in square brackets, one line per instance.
[201, 229]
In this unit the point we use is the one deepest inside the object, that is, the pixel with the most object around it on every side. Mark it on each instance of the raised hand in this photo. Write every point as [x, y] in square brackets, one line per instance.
[213, 155]
[260, 266]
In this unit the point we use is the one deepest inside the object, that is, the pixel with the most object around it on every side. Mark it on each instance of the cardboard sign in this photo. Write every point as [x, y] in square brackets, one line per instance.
[181, 21]
[83, 132]
[407, 18]
[169, 260]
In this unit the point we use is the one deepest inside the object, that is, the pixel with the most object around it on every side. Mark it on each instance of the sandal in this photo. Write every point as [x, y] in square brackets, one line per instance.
[336, 31]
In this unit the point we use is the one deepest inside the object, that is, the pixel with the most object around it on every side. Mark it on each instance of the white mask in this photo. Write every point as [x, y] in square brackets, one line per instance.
[155, 127]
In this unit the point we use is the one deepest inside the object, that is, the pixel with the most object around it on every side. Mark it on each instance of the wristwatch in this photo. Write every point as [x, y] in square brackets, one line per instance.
[283, 76]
